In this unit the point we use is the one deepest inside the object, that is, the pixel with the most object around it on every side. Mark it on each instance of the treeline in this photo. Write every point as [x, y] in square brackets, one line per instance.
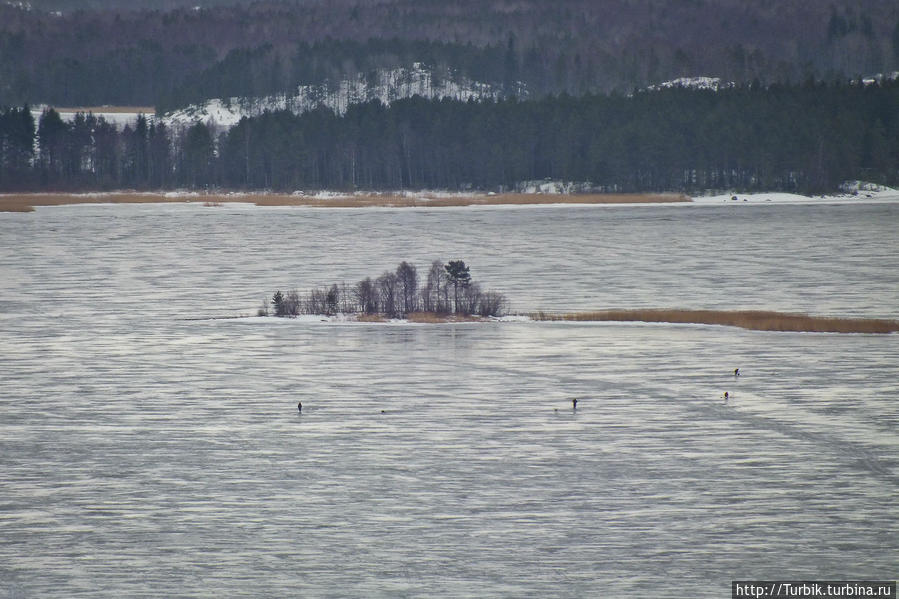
[805, 138]
[447, 289]
[90, 153]
[166, 58]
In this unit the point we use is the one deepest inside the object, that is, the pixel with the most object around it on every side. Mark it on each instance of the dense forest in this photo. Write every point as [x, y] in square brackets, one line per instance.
[168, 58]
[806, 138]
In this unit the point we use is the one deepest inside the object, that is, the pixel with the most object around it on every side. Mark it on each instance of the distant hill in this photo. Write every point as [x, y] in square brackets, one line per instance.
[175, 54]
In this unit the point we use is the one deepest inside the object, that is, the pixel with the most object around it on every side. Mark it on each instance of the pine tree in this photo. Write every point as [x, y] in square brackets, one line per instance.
[51, 135]
[459, 276]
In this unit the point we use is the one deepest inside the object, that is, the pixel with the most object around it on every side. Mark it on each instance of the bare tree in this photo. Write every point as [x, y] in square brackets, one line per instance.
[317, 301]
[431, 292]
[387, 291]
[332, 298]
[492, 303]
[471, 296]
[366, 294]
[348, 306]
[407, 287]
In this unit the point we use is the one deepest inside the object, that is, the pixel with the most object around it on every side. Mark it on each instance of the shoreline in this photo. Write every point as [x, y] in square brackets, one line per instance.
[753, 320]
[27, 202]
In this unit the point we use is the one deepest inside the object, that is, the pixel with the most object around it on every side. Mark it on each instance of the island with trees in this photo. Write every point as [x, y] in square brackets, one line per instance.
[447, 292]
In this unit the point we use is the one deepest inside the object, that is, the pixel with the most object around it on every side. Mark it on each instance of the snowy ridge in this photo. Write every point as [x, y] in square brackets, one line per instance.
[386, 85]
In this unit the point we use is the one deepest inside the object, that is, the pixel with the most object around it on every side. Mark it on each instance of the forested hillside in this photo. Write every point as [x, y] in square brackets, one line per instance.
[169, 58]
[807, 138]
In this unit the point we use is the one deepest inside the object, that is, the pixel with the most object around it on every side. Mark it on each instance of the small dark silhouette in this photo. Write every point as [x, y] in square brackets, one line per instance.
[574, 404]
[736, 372]
[726, 396]
[300, 406]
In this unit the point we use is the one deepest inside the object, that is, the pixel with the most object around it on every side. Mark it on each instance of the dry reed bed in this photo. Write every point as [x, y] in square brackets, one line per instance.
[27, 201]
[747, 319]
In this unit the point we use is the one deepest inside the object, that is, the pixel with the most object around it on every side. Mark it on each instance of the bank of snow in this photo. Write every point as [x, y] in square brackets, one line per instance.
[855, 192]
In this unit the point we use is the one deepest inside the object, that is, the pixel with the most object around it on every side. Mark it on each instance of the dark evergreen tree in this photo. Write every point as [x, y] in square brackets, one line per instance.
[16, 146]
[196, 167]
[159, 160]
[51, 134]
[459, 277]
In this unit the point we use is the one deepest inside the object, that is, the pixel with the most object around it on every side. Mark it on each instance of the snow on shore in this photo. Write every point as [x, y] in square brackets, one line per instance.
[355, 320]
[862, 194]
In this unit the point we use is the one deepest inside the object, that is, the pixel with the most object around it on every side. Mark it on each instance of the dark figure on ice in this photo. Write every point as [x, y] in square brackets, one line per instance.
[299, 406]
[574, 404]
[726, 396]
[736, 372]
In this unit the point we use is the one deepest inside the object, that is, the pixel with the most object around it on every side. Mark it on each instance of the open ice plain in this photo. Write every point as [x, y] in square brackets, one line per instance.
[144, 454]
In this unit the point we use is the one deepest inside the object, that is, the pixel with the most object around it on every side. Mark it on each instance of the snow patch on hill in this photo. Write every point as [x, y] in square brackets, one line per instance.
[710, 83]
[386, 85]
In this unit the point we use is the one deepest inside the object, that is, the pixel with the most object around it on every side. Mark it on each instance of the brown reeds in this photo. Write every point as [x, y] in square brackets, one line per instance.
[371, 318]
[757, 320]
[27, 201]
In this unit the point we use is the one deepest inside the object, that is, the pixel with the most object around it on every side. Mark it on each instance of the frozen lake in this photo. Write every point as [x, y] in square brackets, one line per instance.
[144, 454]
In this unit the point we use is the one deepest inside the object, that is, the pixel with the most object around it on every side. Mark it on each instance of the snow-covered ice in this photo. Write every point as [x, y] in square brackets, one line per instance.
[441, 460]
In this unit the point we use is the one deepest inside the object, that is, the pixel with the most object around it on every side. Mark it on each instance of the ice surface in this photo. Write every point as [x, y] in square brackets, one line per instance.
[146, 453]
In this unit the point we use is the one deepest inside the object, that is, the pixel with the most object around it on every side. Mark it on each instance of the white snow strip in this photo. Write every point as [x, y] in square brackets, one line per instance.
[881, 194]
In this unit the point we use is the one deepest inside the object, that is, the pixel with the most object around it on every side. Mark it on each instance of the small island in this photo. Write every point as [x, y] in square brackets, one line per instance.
[449, 294]
[446, 293]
